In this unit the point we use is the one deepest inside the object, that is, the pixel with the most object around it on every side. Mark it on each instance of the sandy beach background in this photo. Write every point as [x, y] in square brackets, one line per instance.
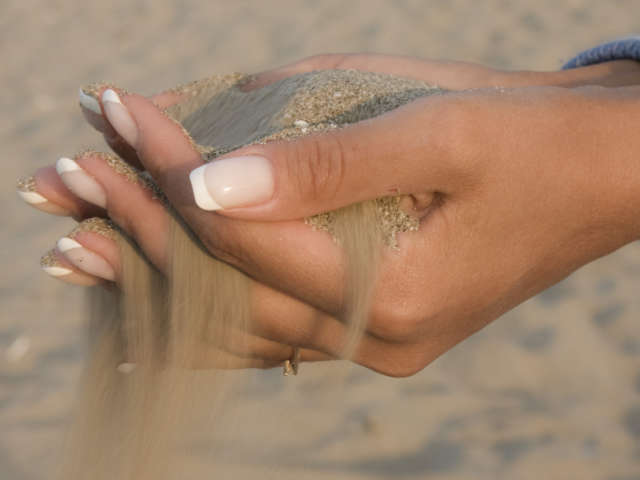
[551, 390]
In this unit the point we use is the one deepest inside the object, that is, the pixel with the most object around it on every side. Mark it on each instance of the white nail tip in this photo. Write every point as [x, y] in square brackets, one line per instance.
[126, 368]
[119, 117]
[110, 96]
[65, 164]
[57, 271]
[66, 243]
[88, 102]
[32, 198]
[81, 184]
[203, 199]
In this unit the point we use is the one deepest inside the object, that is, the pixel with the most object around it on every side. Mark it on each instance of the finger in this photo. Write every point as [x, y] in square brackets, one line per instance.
[453, 75]
[89, 100]
[46, 192]
[92, 250]
[247, 345]
[207, 357]
[107, 181]
[53, 263]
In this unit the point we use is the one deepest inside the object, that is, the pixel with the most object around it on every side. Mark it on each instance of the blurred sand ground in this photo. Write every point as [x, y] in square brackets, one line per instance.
[551, 390]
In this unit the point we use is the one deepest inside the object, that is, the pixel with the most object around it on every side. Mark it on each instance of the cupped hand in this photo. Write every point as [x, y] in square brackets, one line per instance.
[516, 187]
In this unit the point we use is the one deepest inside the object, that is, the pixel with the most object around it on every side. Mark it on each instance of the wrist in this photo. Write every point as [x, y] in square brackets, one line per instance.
[614, 114]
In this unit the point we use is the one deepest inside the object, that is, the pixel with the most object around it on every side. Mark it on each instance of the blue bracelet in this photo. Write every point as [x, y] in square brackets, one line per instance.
[623, 49]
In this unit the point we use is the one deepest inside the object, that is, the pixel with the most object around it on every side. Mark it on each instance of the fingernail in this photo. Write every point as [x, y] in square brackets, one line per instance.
[57, 271]
[32, 198]
[51, 266]
[85, 259]
[80, 183]
[89, 102]
[126, 367]
[119, 117]
[26, 188]
[232, 182]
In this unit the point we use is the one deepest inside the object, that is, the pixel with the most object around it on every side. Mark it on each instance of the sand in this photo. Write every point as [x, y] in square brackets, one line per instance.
[548, 391]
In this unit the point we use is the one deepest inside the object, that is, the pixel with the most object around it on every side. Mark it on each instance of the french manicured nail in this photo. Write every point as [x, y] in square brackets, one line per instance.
[86, 260]
[89, 102]
[57, 271]
[32, 198]
[51, 266]
[126, 367]
[119, 117]
[26, 188]
[232, 182]
[80, 182]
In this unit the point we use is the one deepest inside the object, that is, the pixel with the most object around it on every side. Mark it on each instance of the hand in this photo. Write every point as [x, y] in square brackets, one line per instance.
[525, 197]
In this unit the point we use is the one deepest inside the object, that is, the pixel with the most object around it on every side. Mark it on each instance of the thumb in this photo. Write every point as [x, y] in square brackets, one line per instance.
[401, 152]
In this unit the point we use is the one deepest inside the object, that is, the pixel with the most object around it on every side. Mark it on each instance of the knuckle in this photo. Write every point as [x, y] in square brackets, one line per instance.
[461, 136]
[397, 321]
[411, 303]
[317, 167]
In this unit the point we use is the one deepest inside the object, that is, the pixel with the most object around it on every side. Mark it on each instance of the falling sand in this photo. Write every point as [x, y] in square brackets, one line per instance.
[160, 341]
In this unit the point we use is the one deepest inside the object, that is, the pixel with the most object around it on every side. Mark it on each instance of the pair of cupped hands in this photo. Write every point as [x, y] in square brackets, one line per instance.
[518, 178]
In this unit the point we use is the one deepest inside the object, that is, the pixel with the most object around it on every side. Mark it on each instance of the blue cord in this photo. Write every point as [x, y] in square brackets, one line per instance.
[622, 49]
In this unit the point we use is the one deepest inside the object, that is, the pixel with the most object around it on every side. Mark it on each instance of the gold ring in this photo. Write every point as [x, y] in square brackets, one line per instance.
[291, 365]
